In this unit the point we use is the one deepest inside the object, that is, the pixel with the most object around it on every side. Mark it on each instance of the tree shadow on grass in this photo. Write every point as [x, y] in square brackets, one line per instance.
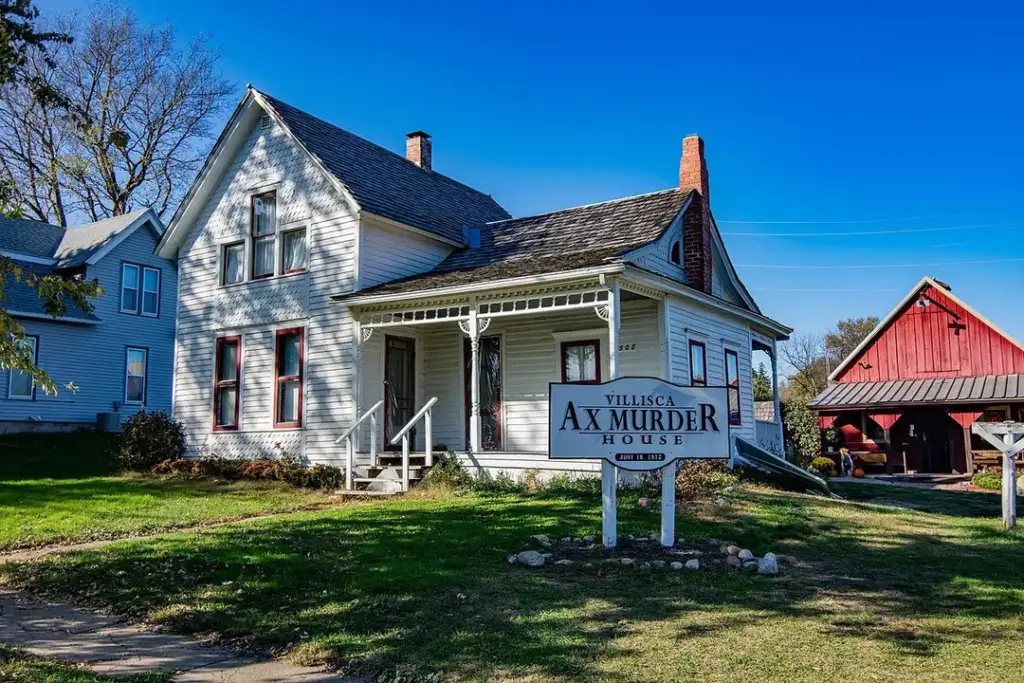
[424, 584]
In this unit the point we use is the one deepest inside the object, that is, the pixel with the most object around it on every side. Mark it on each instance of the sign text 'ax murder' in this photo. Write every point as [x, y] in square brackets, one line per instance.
[638, 423]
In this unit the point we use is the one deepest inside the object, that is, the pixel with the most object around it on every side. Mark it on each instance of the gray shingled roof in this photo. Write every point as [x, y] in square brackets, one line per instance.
[921, 391]
[23, 299]
[580, 237]
[387, 184]
[70, 247]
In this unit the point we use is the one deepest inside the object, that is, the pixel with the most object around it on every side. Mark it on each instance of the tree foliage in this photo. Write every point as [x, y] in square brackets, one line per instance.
[848, 333]
[801, 431]
[763, 384]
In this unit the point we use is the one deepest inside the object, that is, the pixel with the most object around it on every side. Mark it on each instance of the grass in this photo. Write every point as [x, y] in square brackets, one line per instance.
[16, 665]
[420, 586]
[63, 488]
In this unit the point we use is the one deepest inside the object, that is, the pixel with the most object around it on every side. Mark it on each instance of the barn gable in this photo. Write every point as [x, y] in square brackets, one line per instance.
[931, 333]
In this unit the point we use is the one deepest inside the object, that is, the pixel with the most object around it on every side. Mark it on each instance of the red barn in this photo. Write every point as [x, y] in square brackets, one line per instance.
[906, 397]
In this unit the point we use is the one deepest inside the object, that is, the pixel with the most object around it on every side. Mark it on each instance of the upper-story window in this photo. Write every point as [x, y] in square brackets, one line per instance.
[698, 364]
[675, 255]
[233, 259]
[20, 385]
[293, 251]
[732, 381]
[140, 290]
[264, 234]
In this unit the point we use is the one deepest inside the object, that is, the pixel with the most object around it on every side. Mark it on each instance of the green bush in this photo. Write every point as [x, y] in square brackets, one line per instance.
[448, 473]
[822, 465]
[501, 483]
[801, 432]
[696, 479]
[150, 438]
[990, 480]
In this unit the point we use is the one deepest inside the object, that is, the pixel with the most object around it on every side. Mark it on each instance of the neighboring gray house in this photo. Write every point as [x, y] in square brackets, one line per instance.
[120, 355]
[325, 279]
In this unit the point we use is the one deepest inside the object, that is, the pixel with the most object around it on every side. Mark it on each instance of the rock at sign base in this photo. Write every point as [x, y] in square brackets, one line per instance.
[676, 566]
[627, 561]
[693, 564]
[732, 561]
[589, 539]
[512, 559]
[768, 564]
[750, 564]
[542, 539]
[567, 540]
[564, 563]
[746, 555]
[660, 564]
[531, 558]
[731, 549]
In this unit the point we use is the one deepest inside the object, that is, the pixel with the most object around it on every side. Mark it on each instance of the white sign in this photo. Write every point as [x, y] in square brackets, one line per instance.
[638, 423]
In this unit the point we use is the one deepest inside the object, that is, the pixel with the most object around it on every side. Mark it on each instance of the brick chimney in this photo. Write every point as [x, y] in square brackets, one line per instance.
[417, 148]
[693, 175]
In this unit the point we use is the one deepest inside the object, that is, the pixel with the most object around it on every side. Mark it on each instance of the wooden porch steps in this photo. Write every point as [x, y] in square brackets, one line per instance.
[385, 478]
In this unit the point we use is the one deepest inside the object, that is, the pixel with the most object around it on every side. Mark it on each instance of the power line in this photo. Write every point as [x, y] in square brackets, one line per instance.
[879, 265]
[859, 222]
[871, 232]
[816, 289]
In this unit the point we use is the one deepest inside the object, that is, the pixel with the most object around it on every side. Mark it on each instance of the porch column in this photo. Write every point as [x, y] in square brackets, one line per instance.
[775, 397]
[474, 381]
[608, 470]
[357, 357]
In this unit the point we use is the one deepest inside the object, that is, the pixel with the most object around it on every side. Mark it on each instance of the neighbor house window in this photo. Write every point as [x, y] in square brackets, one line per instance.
[732, 381]
[227, 373]
[233, 263]
[151, 291]
[674, 255]
[581, 361]
[129, 288]
[698, 364]
[264, 234]
[136, 362]
[288, 379]
[20, 384]
[293, 251]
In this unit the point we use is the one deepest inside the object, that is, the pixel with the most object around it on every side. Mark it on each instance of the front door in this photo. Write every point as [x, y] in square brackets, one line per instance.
[399, 386]
[490, 391]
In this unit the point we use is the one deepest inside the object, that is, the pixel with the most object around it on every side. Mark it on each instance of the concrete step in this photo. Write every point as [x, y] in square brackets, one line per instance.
[364, 493]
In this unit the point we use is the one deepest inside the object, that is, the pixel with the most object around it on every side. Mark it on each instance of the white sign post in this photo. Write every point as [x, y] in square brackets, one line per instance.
[638, 423]
[1008, 437]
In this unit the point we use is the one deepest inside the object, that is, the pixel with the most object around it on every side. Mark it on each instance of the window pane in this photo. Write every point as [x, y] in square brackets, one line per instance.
[732, 369]
[150, 280]
[288, 355]
[233, 263]
[226, 397]
[130, 300]
[20, 382]
[288, 401]
[580, 362]
[734, 406]
[130, 276]
[136, 362]
[263, 257]
[129, 288]
[149, 303]
[227, 363]
[264, 212]
[294, 247]
[136, 390]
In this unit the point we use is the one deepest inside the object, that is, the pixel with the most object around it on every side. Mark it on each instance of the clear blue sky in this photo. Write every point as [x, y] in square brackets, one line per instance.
[877, 116]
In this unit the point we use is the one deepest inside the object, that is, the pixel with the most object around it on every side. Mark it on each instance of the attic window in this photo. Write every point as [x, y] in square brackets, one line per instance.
[674, 255]
[265, 122]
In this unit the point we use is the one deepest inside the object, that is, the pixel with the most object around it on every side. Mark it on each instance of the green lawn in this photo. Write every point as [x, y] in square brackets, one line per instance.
[18, 666]
[64, 488]
[421, 585]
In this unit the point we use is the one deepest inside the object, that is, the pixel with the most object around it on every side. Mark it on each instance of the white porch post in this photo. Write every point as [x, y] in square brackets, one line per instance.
[775, 396]
[609, 518]
[474, 381]
[357, 357]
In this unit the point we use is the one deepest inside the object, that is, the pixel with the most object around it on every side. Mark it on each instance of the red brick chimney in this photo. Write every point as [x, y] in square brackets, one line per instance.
[693, 175]
[417, 148]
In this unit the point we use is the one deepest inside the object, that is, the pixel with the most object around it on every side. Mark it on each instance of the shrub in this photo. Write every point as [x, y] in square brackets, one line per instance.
[448, 473]
[822, 465]
[501, 483]
[150, 438]
[801, 432]
[990, 480]
[697, 479]
[286, 470]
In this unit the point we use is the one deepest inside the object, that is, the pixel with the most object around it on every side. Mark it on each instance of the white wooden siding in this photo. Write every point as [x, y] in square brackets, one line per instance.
[656, 256]
[387, 253]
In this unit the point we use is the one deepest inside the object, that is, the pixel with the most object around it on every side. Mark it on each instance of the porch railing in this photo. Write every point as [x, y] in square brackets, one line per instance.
[350, 447]
[768, 436]
[428, 436]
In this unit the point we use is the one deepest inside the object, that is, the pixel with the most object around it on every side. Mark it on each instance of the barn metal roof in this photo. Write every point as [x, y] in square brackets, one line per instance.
[987, 389]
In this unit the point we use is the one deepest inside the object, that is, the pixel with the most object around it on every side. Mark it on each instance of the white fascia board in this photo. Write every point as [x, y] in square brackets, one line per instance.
[149, 216]
[454, 290]
[665, 284]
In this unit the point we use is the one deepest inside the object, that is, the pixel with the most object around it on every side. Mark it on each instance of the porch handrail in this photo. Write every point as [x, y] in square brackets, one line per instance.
[403, 436]
[350, 448]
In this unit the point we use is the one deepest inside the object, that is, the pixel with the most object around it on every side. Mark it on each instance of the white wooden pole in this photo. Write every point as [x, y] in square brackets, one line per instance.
[373, 438]
[1009, 483]
[777, 407]
[474, 381]
[668, 505]
[405, 461]
[428, 428]
[609, 517]
[349, 461]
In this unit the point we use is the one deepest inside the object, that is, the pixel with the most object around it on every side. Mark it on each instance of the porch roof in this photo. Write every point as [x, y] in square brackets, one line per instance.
[931, 391]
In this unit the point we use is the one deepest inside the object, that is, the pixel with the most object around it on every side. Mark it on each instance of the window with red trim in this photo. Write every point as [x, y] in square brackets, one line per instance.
[581, 361]
[732, 380]
[698, 364]
[264, 234]
[227, 376]
[288, 378]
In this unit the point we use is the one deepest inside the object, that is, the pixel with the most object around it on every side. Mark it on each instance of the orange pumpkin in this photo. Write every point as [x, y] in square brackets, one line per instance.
[858, 473]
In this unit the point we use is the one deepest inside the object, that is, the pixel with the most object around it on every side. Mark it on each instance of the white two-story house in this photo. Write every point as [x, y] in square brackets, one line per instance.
[326, 280]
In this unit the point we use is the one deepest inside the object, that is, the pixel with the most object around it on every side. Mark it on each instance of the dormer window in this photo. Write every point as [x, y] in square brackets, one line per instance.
[674, 254]
[264, 234]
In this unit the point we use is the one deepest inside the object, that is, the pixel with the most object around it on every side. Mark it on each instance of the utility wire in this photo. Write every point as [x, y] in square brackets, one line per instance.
[876, 220]
[867, 232]
[818, 289]
[878, 265]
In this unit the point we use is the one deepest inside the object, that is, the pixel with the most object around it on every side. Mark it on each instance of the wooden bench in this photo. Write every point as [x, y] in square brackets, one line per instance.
[990, 459]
